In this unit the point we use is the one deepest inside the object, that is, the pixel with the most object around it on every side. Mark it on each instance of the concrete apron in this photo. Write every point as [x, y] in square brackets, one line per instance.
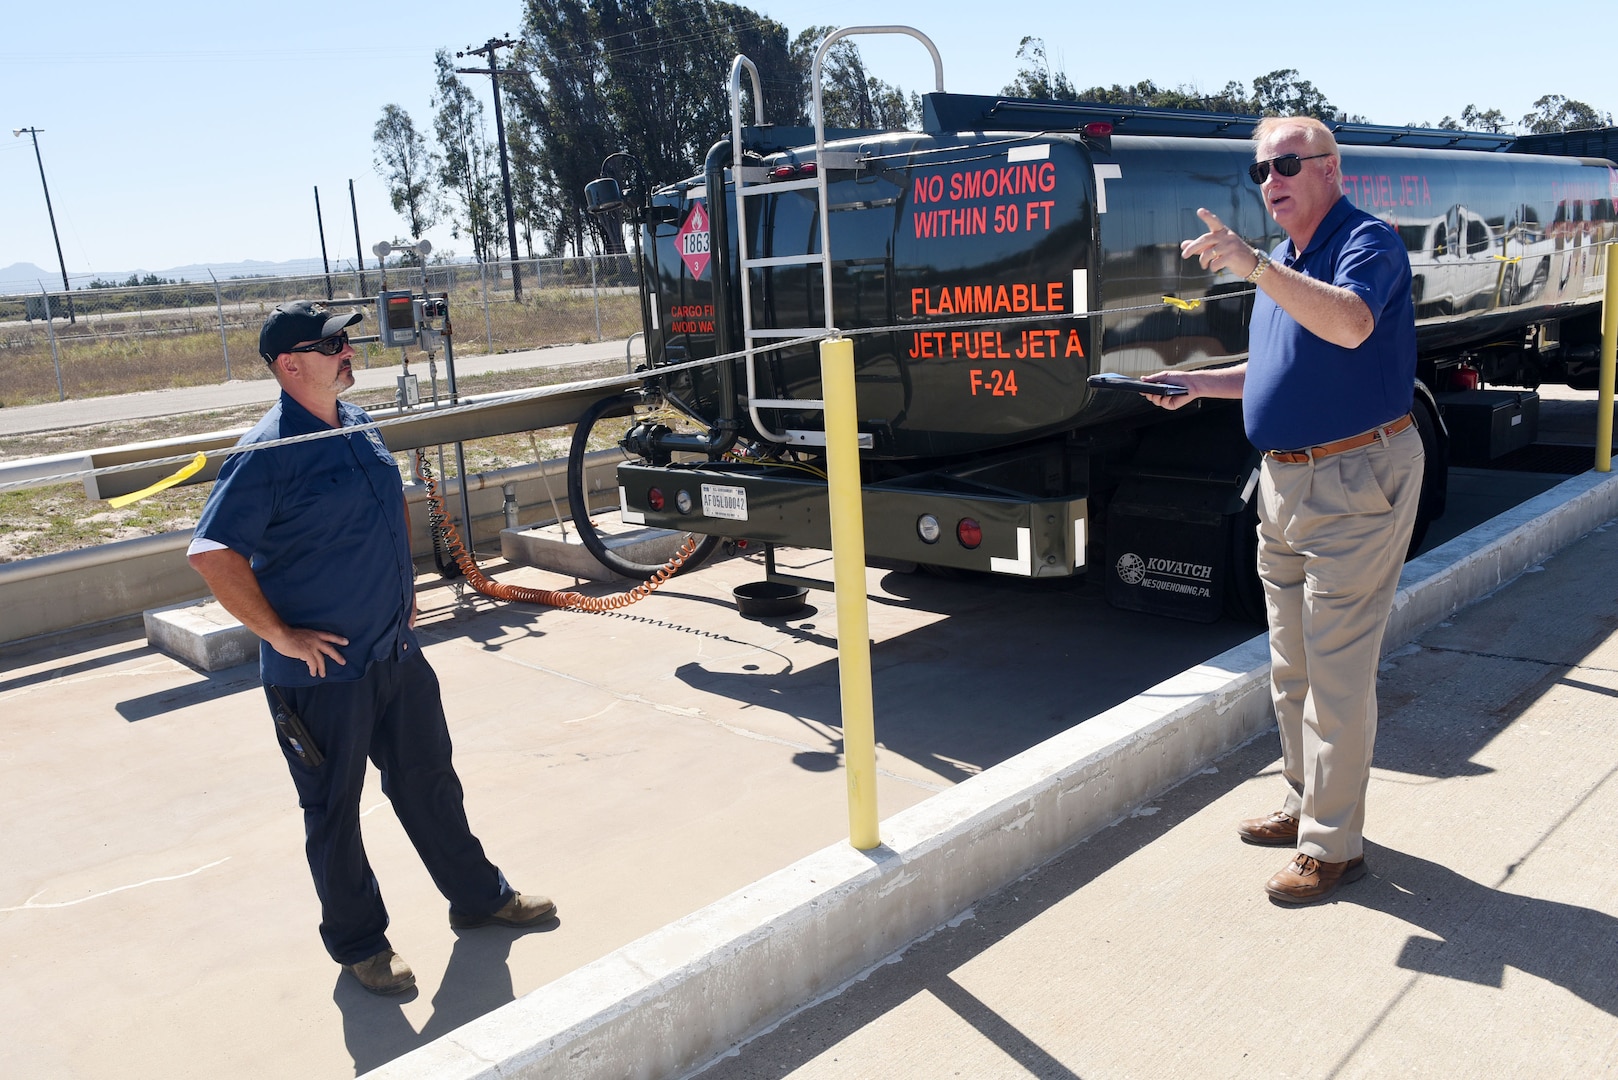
[676, 998]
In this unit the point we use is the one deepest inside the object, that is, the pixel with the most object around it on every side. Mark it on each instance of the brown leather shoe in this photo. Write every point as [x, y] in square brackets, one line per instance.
[1276, 829]
[1307, 879]
[519, 911]
[384, 973]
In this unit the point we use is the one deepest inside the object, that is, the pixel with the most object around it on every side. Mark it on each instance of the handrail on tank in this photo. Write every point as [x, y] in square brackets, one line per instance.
[820, 125]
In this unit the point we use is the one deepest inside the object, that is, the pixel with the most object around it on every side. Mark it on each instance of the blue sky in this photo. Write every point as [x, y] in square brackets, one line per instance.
[178, 133]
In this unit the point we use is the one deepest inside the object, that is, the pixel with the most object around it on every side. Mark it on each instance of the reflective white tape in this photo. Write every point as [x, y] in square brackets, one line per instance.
[1024, 562]
[1103, 174]
[1078, 543]
[1038, 152]
[631, 517]
[1081, 291]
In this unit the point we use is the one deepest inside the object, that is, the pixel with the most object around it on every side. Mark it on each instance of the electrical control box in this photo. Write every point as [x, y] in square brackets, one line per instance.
[396, 316]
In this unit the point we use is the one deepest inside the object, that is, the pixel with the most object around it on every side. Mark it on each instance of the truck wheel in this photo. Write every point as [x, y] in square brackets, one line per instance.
[1434, 475]
[601, 422]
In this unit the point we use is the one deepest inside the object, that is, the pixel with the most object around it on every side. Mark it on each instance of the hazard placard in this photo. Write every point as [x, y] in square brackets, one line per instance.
[692, 240]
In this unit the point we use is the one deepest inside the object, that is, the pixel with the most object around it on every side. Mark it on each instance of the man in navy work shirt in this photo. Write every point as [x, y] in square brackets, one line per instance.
[308, 545]
[1326, 393]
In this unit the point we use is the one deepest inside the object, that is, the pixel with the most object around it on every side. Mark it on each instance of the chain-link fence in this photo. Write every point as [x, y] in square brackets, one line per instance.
[91, 342]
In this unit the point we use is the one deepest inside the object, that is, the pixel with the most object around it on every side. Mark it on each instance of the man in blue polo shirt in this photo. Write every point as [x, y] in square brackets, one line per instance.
[1326, 393]
[308, 545]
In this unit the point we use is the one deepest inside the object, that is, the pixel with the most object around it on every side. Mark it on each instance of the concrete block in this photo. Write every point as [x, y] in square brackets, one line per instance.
[550, 547]
[201, 633]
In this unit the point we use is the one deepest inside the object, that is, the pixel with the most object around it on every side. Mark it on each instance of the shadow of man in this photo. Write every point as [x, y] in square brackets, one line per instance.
[1474, 932]
[477, 980]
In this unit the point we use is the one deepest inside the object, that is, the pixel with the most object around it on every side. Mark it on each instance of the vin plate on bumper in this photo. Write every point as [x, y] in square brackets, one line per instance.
[724, 501]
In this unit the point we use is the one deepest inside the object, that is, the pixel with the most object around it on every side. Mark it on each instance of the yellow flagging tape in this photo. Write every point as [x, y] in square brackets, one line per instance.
[1507, 258]
[188, 470]
[1183, 305]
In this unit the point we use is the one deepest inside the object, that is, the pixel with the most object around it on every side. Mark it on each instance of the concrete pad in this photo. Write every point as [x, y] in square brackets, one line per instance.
[559, 549]
[201, 633]
[675, 998]
[1482, 943]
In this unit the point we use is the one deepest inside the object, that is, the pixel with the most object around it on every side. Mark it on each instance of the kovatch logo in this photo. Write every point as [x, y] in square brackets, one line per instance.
[1165, 575]
[692, 240]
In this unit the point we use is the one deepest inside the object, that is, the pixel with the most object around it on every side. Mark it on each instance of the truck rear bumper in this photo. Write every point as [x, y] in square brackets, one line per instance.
[778, 505]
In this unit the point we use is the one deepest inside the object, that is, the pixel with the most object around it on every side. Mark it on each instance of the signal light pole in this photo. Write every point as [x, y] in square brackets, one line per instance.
[60, 262]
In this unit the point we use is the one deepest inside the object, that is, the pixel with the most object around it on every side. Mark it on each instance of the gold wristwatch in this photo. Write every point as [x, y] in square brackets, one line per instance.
[1262, 265]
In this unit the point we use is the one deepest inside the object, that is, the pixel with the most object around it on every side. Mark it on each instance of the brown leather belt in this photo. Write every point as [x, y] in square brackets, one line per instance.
[1353, 442]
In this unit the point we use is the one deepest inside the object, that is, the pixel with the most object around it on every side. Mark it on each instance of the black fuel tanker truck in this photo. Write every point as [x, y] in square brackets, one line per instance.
[986, 265]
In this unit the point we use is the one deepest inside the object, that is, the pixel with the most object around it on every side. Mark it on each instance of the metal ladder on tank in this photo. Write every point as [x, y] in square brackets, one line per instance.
[753, 181]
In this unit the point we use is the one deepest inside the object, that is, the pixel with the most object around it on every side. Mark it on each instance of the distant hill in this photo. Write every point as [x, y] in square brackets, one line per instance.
[25, 277]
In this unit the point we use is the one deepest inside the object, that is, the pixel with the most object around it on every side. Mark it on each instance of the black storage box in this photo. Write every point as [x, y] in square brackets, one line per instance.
[1488, 424]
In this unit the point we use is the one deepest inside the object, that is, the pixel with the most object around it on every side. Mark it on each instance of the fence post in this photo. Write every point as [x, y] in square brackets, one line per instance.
[488, 327]
[596, 290]
[56, 359]
[219, 306]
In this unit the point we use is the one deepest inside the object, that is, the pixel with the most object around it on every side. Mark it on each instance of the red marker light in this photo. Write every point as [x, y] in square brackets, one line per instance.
[654, 499]
[1098, 130]
[783, 172]
[969, 533]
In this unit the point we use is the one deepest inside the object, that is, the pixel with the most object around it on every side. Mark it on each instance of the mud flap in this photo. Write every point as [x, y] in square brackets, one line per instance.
[1168, 552]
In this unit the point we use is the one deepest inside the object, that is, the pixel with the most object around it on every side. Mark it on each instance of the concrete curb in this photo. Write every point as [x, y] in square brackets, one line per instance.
[674, 999]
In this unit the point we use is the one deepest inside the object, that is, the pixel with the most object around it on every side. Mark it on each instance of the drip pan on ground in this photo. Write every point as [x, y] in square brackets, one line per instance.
[768, 599]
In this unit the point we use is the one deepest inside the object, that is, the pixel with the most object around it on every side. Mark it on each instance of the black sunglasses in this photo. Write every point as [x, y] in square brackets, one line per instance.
[1286, 165]
[329, 346]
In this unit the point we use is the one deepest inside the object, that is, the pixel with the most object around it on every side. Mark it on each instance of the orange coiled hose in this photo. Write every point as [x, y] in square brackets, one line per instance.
[440, 525]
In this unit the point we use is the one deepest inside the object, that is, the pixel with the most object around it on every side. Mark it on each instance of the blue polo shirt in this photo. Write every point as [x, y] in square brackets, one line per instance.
[322, 524]
[1303, 391]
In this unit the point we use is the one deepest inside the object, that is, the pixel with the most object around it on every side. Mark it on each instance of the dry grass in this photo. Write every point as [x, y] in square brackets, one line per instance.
[124, 352]
[45, 521]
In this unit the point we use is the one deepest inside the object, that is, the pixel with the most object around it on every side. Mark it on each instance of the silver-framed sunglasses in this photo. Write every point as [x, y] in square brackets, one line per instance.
[1286, 165]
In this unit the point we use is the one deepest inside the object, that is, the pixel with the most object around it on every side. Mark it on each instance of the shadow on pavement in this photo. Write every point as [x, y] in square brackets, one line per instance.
[476, 981]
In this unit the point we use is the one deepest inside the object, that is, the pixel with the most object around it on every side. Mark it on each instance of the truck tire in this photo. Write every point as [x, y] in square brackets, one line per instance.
[1434, 475]
[578, 497]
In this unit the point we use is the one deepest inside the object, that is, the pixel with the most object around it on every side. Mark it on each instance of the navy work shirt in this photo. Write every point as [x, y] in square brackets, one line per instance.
[1303, 391]
[322, 524]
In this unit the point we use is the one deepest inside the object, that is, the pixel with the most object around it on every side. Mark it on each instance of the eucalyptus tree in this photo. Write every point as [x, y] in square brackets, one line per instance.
[403, 160]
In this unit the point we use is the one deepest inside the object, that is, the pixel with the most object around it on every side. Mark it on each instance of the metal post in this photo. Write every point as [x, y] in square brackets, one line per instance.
[321, 225]
[848, 561]
[50, 328]
[1609, 348]
[219, 307]
[488, 326]
[595, 290]
[359, 252]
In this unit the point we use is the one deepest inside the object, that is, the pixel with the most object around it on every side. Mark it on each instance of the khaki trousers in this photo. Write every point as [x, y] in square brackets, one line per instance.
[1332, 537]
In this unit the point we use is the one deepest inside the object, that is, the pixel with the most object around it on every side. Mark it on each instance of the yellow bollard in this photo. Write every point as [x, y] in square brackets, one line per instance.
[1609, 342]
[848, 564]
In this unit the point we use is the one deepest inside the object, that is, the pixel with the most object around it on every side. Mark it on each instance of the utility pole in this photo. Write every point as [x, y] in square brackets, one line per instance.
[321, 225]
[359, 252]
[494, 73]
[68, 289]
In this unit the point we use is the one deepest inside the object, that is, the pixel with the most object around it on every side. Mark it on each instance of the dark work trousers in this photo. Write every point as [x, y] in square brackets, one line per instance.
[395, 717]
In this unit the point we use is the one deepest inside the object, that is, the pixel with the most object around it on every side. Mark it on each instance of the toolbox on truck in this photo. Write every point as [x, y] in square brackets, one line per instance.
[1488, 424]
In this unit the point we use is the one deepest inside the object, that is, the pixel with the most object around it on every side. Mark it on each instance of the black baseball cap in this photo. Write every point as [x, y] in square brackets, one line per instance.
[301, 320]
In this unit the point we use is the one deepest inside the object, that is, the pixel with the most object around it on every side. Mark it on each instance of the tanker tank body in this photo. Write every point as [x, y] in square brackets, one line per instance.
[987, 264]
